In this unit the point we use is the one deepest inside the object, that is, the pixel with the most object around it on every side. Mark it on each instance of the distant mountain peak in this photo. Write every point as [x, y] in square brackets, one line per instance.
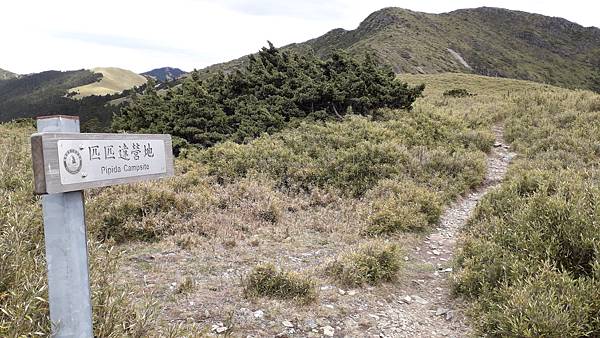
[5, 74]
[165, 74]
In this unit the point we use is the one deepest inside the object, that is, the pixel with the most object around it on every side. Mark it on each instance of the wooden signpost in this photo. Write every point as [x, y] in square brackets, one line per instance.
[65, 163]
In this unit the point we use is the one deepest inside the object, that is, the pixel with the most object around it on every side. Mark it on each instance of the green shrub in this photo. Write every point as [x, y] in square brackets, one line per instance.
[372, 263]
[547, 303]
[267, 281]
[458, 92]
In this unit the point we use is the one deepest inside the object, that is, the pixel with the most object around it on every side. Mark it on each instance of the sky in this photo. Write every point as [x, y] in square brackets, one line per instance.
[38, 35]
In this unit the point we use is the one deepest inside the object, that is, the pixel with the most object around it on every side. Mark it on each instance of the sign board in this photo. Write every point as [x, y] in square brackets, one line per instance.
[65, 162]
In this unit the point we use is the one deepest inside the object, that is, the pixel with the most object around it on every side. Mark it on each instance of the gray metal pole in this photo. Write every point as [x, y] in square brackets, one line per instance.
[66, 250]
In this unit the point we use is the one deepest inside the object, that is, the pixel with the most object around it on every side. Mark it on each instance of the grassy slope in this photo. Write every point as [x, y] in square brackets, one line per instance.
[494, 42]
[114, 80]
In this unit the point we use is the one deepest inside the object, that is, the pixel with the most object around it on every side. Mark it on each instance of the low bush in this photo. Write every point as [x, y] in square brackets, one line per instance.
[142, 212]
[458, 92]
[372, 263]
[266, 280]
[402, 206]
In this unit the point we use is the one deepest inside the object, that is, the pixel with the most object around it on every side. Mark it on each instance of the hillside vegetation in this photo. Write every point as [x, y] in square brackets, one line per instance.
[274, 90]
[46, 94]
[112, 81]
[486, 41]
[272, 223]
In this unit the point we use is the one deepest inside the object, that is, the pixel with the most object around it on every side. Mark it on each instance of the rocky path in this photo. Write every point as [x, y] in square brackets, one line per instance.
[427, 309]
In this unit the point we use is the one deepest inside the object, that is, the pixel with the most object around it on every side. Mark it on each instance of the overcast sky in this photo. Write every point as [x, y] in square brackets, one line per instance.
[144, 34]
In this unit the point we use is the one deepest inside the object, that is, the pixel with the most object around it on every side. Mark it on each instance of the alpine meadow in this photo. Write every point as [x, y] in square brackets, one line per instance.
[365, 183]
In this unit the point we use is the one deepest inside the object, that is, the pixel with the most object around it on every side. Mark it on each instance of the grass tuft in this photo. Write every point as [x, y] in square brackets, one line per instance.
[266, 280]
[372, 263]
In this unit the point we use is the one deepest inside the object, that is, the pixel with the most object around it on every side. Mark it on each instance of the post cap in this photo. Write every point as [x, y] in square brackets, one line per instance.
[69, 117]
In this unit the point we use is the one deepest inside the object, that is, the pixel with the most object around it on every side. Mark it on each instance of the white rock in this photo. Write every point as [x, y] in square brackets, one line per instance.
[406, 299]
[419, 300]
[258, 314]
[441, 311]
[342, 292]
[352, 292]
[328, 331]
[287, 323]
[436, 252]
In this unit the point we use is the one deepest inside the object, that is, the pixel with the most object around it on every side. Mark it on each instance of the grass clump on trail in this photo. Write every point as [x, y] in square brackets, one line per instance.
[372, 263]
[266, 280]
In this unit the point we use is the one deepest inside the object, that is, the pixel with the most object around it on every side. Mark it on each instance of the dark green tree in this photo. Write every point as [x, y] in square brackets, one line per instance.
[274, 89]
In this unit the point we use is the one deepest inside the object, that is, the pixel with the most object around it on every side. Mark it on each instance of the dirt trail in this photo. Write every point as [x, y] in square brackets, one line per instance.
[427, 308]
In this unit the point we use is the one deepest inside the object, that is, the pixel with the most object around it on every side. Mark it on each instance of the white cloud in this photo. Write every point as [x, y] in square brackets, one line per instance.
[140, 35]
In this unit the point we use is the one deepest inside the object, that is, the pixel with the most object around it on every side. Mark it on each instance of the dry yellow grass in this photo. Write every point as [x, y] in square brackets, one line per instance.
[114, 80]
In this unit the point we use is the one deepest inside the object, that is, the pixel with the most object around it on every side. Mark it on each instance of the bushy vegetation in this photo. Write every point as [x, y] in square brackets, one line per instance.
[402, 206]
[531, 258]
[266, 280]
[354, 155]
[23, 288]
[275, 89]
[372, 263]
[458, 92]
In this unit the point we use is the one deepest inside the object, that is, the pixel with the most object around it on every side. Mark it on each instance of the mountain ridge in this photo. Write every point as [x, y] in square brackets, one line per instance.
[165, 74]
[492, 41]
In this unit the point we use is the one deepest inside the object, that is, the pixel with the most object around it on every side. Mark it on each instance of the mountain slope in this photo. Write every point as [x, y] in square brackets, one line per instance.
[165, 74]
[5, 74]
[45, 94]
[113, 81]
[486, 41]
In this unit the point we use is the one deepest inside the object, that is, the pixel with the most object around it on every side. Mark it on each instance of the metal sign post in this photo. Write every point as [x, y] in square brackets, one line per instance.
[65, 162]
[66, 251]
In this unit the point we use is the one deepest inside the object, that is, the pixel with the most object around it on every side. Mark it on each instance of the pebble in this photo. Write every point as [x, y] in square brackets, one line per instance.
[287, 323]
[219, 328]
[311, 323]
[258, 314]
[352, 293]
[441, 311]
[406, 299]
[328, 331]
[419, 300]
[436, 252]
